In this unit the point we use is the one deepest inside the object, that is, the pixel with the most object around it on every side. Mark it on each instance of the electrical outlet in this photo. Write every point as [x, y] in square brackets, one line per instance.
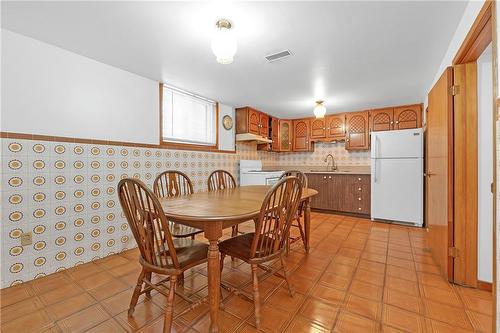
[26, 239]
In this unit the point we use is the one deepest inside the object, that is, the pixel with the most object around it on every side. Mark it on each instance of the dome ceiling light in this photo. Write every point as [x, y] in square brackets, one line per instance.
[319, 109]
[224, 44]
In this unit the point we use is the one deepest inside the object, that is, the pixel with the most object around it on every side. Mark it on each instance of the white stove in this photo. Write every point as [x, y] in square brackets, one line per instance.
[251, 173]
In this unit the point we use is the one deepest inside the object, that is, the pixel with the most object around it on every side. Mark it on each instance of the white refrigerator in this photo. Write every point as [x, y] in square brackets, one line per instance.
[397, 176]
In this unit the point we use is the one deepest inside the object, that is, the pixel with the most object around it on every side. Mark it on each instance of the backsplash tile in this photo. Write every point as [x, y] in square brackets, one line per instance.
[316, 158]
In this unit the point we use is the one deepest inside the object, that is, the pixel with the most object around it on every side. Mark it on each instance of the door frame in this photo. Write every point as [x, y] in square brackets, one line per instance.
[480, 35]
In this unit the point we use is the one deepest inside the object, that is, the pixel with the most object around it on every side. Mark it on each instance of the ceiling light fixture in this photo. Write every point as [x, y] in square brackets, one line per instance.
[319, 109]
[224, 42]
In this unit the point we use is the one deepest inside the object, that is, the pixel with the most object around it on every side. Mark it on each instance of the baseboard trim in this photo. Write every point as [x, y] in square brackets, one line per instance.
[486, 286]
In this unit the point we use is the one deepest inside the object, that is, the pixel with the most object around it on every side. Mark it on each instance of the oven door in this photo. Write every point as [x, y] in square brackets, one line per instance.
[272, 180]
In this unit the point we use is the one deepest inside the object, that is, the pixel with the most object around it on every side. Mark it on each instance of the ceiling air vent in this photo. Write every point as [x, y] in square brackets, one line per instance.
[278, 56]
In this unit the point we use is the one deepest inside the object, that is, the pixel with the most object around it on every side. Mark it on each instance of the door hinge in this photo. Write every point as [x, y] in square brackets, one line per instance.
[493, 188]
[452, 252]
[454, 90]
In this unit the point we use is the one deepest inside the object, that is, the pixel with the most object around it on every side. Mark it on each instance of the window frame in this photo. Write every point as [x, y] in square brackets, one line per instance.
[189, 146]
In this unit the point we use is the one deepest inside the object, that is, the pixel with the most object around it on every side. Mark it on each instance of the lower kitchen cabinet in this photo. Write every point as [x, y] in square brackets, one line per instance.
[341, 193]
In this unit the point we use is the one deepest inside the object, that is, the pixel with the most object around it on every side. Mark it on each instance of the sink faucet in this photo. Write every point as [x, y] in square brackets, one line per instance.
[334, 165]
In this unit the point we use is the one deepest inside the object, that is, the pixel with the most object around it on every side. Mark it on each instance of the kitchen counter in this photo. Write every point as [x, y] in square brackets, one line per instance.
[342, 169]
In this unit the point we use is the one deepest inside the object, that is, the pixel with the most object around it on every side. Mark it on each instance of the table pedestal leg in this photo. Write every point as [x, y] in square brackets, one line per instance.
[307, 223]
[213, 234]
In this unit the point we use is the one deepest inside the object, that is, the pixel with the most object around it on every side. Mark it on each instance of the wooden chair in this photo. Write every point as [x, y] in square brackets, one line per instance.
[269, 240]
[296, 221]
[160, 253]
[171, 184]
[220, 180]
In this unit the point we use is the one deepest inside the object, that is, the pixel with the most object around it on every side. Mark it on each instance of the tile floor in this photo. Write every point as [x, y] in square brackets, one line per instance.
[359, 277]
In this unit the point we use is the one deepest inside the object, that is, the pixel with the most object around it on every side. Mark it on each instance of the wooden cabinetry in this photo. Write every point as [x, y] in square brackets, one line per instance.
[275, 134]
[335, 126]
[301, 135]
[249, 120]
[318, 128]
[285, 135]
[357, 131]
[409, 116]
[382, 119]
[341, 193]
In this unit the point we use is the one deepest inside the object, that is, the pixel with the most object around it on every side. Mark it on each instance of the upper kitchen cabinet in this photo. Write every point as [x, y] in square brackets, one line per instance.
[408, 116]
[249, 120]
[335, 126]
[301, 135]
[318, 128]
[285, 135]
[382, 119]
[357, 131]
[275, 134]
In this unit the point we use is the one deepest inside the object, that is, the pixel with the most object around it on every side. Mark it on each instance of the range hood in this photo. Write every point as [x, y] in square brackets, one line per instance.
[252, 137]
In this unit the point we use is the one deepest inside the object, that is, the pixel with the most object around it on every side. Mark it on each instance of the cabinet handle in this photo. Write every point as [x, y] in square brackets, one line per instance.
[324, 177]
[397, 121]
[346, 140]
[359, 199]
[392, 122]
[329, 177]
[359, 208]
[359, 178]
[359, 188]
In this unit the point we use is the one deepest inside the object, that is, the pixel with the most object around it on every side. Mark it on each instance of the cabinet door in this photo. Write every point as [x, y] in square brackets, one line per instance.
[318, 128]
[382, 119]
[275, 135]
[253, 121]
[335, 126]
[357, 132]
[285, 135]
[406, 117]
[301, 135]
[319, 183]
[264, 125]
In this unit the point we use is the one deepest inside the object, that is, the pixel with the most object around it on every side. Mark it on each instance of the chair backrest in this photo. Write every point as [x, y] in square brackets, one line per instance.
[220, 180]
[296, 173]
[148, 223]
[277, 211]
[172, 183]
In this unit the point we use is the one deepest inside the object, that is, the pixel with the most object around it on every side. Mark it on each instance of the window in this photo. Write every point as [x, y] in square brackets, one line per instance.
[188, 118]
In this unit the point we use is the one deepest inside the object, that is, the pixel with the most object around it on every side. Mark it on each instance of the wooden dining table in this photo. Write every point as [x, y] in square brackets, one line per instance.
[214, 211]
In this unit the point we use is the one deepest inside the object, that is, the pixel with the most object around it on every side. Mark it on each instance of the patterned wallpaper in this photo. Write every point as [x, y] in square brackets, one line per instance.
[65, 194]
[316, 158]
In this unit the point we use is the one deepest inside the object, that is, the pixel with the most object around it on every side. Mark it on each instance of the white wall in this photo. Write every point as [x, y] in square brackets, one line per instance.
[226, 137]
[50, 91]
[485, 165]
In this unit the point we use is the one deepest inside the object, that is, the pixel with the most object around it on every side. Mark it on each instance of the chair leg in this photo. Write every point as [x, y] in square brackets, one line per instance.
[169, 311]
[181, 279]
[222, 256]
[302, 234]
[234, 231]
[285, 274]
[256, 296]
[135, 295]
[148, 278]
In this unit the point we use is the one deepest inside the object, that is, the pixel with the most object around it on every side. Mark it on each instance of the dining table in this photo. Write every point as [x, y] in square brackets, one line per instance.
[214, 211]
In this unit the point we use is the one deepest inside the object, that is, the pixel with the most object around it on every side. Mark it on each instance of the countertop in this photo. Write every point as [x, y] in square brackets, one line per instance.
[341, 170]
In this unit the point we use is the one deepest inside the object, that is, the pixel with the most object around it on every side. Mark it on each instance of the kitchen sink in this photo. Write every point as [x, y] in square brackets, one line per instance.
[330, 171]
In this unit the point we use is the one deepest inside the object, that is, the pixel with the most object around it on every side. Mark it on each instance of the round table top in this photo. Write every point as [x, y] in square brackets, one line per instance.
[240, 203]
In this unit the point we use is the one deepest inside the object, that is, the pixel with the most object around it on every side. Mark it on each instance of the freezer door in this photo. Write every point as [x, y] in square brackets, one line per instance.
[397, 144]
[397, 190]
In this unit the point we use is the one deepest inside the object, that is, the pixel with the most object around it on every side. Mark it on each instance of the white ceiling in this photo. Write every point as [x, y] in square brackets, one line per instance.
[354, 55]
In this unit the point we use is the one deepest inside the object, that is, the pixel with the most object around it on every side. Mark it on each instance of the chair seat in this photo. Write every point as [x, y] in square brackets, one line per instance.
[240, 247]
[180, 231]
[189, 252]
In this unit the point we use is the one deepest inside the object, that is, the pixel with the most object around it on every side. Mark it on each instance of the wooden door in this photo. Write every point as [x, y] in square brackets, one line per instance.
[264, 125]
[406, 117]
[318, 128]
[357, 131]
[301, 135]
[335, 126]
[439, 172]
[285, 135]
[253, 121]
[381, 119]
[275, 135]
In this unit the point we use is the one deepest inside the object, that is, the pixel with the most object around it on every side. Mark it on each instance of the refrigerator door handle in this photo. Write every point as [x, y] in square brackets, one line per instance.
[376, 146]
[375, 170]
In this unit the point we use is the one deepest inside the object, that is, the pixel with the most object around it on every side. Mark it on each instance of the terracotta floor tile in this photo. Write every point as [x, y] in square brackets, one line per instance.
[400, 254]
[345, 271]
[446, 296]
[472, 292]
[301, 325]
[349, 322]
[19, 309]
[433, 280]
[271, 319]
[477, 304]
[402, 273]
[227, 323]
[61, 293]
[84, 270]
[109, 289]
[403, 263]
[403, 301]
[382, 258]
[369, 277]
[447, 314]
[36, 321]
[434, 326]
[107, 326]
[84, 319]
[145, 312]
[157, 327]
[49, 283]
[125, 269]
[390, 329]
[404, 320]
[15, 294]
[282, 299]
[111, 261]
[481, 322]
[319, 312]
[402, 285]
[300, 284]
[335, 281]
[69, 306]
[366, 290]
[239, 307]
[339, 259]
[428, 268]
[95, 280]
[372, 266]
[307, 272]
[363, 307]
[327, 294]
